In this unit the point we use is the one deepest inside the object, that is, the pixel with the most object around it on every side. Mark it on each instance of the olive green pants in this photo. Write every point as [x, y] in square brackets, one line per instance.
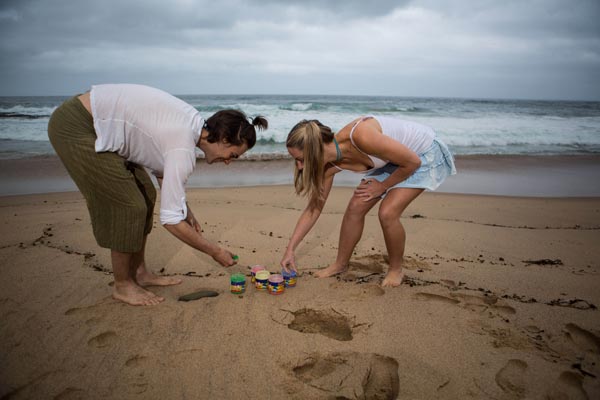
[120, 195]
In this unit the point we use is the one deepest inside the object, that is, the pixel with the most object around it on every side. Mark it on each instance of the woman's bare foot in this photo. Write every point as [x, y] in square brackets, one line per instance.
[393, 278]
[332, 270]
[130, 293]
[147, 278]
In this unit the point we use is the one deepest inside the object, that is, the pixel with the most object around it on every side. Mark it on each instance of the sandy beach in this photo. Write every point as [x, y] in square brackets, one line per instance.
[501, 302]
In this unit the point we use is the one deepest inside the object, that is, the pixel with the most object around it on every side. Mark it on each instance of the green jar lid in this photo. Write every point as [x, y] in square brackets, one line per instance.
[237, 278]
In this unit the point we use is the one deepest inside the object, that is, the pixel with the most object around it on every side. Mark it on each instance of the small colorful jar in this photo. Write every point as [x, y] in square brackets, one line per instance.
[254, 270]
[262, 280]
[276, 284]
[238, 283]
[289, 278]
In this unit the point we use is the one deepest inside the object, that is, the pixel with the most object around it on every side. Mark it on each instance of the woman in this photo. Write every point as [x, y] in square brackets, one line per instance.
[400, 159]
[106, 137]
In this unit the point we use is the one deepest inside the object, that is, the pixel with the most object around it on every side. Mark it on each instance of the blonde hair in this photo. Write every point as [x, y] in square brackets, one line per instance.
[310, 136]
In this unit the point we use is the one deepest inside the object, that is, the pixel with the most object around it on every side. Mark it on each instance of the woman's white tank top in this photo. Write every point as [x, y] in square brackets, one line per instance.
[415, 136]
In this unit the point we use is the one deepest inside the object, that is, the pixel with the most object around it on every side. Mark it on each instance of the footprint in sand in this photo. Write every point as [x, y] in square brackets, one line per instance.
[511, 378]
[362, 271]
[372, 267]
[93, 321]
[583, 339]
[71, 393]
[103, 340]
[568, 386]
[350, 375]
[435, 297]
[480, 303]
[471, 302]
[368, 264]
[358, 291]
[138, 387]
[136, 361]
[411, 263]
[136, 365]
[327, 323]
[85, 309]
[73, 311]
[378, 262]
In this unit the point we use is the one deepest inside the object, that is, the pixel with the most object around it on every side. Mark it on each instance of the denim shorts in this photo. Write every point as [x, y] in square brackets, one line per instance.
[437, 163]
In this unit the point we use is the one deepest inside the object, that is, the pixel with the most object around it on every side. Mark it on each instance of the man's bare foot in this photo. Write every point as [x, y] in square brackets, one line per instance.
[130, 293]
[147, 278]
[393, 278]
[332, 270]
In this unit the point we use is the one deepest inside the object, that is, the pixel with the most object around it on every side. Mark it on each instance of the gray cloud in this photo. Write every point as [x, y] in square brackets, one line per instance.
[529, 48]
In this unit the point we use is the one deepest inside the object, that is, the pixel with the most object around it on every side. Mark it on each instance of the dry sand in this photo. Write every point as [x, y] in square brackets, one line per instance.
[500, 303]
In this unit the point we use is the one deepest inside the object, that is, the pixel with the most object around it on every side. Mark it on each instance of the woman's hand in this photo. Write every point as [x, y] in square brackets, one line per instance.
[370, 189]
[224, 257]
[288, 261]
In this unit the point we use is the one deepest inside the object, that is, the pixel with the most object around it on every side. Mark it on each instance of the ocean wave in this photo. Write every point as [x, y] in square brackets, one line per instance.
[268, 140]
[303, 107]
[400, 109]
[468, 126]
[296, 107]
[272, 156]
[26, 112]
[16, 115]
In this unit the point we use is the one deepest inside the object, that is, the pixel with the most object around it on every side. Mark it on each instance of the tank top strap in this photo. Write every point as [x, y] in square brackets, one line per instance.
[352, 133]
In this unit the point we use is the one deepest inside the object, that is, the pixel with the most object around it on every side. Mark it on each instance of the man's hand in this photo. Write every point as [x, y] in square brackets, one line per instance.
[224, 257]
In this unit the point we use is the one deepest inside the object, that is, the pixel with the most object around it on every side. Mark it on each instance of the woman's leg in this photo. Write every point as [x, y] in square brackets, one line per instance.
[390, 211]
[350, 233]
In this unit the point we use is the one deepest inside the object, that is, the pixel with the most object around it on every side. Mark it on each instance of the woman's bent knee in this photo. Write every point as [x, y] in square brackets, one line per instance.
[388, 215]
[358, 207]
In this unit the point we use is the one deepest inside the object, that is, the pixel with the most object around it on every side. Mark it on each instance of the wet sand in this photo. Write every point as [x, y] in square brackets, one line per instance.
[533, 176]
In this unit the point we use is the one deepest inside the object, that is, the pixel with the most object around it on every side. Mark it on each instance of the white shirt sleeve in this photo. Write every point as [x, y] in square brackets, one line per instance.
[179, 165]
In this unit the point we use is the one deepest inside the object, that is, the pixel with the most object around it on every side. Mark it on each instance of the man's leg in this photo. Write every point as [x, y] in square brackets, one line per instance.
[126, 288]
[144, 277]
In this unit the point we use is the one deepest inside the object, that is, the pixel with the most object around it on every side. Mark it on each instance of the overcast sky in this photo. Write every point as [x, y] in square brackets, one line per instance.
[535, 49]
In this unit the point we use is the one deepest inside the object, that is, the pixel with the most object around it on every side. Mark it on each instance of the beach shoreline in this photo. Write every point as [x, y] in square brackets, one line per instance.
[504, 287]
[502, 175]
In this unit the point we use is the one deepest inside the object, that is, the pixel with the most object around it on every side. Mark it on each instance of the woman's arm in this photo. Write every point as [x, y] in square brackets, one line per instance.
[305, 223]
[373, 142]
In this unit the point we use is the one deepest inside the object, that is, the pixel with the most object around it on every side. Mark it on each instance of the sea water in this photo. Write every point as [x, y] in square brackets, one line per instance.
[468, 126]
